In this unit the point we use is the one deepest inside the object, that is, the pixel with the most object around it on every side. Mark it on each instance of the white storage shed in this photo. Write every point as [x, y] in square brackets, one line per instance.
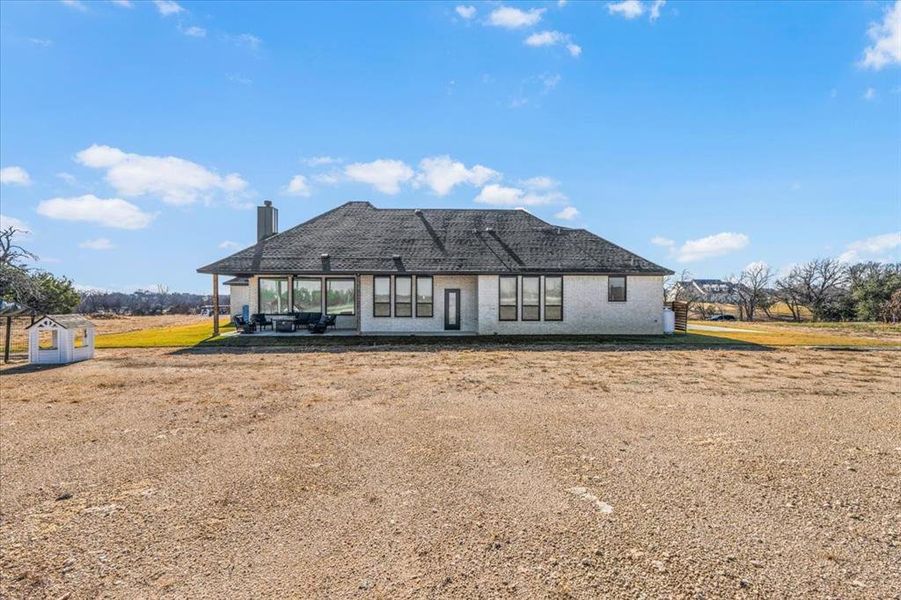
[60, 339]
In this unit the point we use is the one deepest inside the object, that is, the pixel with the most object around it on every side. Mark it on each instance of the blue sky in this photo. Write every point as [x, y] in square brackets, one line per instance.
[135, 137]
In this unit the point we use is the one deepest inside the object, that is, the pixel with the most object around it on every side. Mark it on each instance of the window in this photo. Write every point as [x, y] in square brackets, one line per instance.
[424, 297]
[340, 297]
[508, 293]
[48, 339]
[273, 295]
[553, 298]
[403, 296]
[531, 298]
[81, 338]
[381, 297]
[616, 288]
[307, 295]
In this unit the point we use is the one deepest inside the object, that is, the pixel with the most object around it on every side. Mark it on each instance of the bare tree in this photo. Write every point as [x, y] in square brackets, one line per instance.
[822, 284]
[11, 253]
[790, 291]
[752, 289]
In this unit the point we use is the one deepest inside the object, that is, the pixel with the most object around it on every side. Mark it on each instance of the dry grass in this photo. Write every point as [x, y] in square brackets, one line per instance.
[452, 472]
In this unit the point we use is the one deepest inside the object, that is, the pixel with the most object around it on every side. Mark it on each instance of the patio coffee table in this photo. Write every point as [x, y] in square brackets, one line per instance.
[284, 325]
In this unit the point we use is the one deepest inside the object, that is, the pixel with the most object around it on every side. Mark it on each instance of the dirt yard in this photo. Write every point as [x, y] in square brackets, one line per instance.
[428, 472]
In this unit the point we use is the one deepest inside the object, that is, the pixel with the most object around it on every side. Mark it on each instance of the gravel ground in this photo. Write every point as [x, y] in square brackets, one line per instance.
[453, 473]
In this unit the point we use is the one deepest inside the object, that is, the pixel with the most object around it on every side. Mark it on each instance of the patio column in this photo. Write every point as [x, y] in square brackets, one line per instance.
[290, 293]
[215, 304]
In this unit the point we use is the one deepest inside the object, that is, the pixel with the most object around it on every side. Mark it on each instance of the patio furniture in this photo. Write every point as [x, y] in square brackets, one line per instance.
[242, 325]
[302, 319]
[261, 321]
[284, 325]
[319, 326]
[331, 322]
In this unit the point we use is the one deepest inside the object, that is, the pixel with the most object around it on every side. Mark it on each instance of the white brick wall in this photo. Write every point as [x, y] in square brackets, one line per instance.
[469, 310]
[585, 308]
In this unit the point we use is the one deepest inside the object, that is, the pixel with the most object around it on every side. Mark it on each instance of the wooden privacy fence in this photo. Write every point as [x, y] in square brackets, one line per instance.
[680, 310]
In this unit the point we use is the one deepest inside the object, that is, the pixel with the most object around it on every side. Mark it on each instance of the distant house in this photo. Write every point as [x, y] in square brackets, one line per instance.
[712, 291]
[427, 271]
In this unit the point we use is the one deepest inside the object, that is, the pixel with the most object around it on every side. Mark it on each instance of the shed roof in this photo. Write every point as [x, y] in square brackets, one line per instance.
[357, 237]
[66, 321]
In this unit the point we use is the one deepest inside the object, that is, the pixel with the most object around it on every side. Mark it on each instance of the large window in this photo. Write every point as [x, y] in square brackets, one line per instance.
[424, 297]
[339, 297]
[507, 301]
[273, 295]
[403, 296]
[307, 295]
[553, 298]
[531, 298]
[616, 288]
[381, 296]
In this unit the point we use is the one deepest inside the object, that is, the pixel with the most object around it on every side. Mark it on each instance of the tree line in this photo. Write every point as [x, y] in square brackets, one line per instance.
[45, 293]
[826, 288]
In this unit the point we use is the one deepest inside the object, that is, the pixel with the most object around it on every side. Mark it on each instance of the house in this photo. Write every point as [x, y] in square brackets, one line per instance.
[712, 291]
[431, 271]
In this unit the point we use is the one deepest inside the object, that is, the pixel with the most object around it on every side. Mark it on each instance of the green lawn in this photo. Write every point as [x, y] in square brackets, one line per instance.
[162, 337]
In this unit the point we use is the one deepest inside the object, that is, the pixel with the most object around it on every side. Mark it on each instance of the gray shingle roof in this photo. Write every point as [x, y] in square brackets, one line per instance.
[356, 237]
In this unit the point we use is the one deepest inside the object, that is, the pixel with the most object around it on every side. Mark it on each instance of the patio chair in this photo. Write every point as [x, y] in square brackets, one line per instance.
[261, 321]
[331, 321]
[319, 326]
[242, 325]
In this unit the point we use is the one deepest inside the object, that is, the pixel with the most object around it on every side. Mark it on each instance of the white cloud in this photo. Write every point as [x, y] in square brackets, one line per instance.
[561, 3]
[123, 3]
[246, 40]
[499, 195]
[97, 244]
[68, 178]
[383, 174]
[175, 180]
[193, 31]
[711, 246]
[237, 78]
[869, 94]
[108, 212]
[168, 7]
[318, 161]
[466, 12]
[330, 178]
[442, 174]
[14, 176]
[629, 9]
[298, 186]
[540, 183]
[886, 37]
[43, 42]
[567, 214]
[76, 4]
[7, 221]
[877, 247]
[514, 18]
[655, 9]
[659, 240]
[553, 38]
[229, 245]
